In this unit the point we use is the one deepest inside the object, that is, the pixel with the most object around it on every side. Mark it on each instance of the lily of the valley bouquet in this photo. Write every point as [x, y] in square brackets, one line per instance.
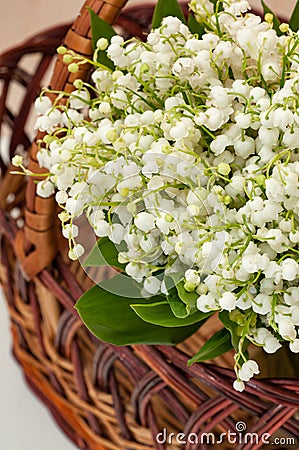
[182, 153]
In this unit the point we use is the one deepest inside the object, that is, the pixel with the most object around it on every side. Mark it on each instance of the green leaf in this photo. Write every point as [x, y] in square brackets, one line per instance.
[231, 327]
[160, 313]
[166, 8]
[276, 22]
[105, 310]
[177, 306]
[217, 345]
[294, 20]
[188, 298]
[104, 253]
[194, 26]
[101, 29]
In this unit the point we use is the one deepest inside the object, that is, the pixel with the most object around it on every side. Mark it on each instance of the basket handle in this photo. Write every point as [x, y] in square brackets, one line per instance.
[37, 244]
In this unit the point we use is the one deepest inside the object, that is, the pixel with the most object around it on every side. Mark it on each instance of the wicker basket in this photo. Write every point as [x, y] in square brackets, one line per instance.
[102, 396]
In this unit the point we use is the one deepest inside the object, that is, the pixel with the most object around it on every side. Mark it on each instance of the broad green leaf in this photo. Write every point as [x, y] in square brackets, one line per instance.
[217, 345]
[160, 313]
[276, 22]
[177, 306]
[104, 253]
[188, 298]
[166, 8]
[105, 310]
[294, 20]
[231, 327]
[195, 27]
[101, 29]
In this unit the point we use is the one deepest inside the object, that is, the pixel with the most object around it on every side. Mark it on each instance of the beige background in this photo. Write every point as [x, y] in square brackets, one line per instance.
[21, 18]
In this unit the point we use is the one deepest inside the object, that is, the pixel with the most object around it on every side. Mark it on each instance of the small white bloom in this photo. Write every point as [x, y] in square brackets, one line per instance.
[294, 346]
[244, 147]
[244, 302]
[183, 67]
[239, 385]
[206, 303]
[283, 118]
[102, 228]
[291, 296]
[287, 329]
[271, 344]
[286, 225]
[179, 131]
[152, 285]
[79, 99]
[45, 188]
[291, 137]
[192, 276]
[289, 269]
[215, 119]
[70, 231]
[145, 221]
[269, 136]
[294, 237]
[294, 310]
[228, 301]
[76, 252]
[257, 93]
[42, 105]
[117, 232]
[219, 144]
[248, 369]
[237, 183]
[262, 304]
[44, 123]
[271, 70]
[219, 97]
[243, 120]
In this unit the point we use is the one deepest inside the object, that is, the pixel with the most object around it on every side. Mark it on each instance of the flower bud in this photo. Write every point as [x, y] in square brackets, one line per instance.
[189, 287]
[17, 161]
[223, 169]
[269, 18]
[102, 43]
[67, 59]
[78, 84]
[284, 27]
[61, 50]
[73, 68]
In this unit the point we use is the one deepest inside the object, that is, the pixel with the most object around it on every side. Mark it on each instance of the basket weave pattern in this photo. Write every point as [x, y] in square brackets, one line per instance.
[102, 396]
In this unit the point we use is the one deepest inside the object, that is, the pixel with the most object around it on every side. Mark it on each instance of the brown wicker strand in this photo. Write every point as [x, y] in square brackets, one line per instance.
[37, 245]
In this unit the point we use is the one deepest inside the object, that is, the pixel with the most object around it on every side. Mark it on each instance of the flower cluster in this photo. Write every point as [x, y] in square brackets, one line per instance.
[186, 155]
